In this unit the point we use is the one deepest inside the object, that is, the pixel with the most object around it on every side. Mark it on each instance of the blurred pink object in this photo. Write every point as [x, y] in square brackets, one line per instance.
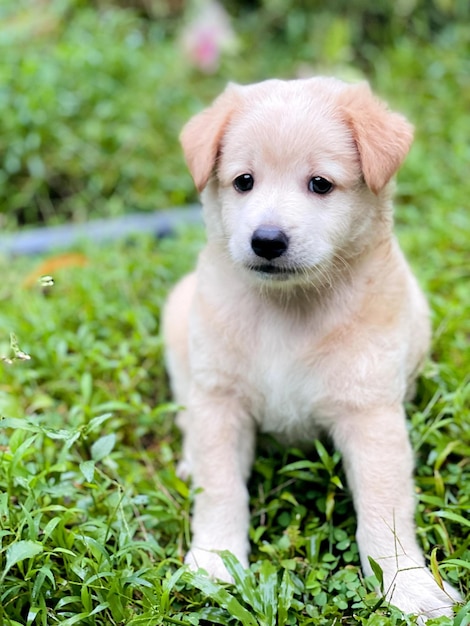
[208, 35]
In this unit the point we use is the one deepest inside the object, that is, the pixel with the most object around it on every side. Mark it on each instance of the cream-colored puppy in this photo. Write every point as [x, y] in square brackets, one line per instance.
[303, 317]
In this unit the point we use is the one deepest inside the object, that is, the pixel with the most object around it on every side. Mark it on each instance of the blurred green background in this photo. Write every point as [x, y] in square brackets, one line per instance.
[93, 94]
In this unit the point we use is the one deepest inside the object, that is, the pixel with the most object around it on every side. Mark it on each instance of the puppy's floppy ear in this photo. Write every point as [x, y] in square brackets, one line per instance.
[202, 135]
[383, 138]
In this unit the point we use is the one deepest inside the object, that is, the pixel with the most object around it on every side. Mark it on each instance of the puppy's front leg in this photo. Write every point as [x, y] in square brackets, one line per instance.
[220, 442]
[379, 464]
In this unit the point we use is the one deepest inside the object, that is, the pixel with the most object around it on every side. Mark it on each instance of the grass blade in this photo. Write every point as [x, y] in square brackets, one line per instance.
[244, 580]
[286, 594]
[268, 589]
[220, 595]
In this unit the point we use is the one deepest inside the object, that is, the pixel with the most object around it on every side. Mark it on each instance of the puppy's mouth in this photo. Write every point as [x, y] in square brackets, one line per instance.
[273, 270]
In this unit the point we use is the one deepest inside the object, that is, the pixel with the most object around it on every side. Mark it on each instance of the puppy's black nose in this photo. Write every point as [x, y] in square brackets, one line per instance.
[269, 242]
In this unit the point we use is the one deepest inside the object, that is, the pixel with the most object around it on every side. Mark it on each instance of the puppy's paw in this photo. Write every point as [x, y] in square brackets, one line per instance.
[210, 562]
[416, 592]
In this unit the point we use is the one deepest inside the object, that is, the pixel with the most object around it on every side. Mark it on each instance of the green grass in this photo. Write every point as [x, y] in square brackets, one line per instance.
[94, 522]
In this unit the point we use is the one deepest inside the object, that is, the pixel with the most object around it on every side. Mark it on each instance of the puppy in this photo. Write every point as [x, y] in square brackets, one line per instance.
[302, 318]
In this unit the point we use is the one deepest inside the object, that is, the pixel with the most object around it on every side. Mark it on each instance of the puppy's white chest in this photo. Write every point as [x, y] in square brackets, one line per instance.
[283, 389]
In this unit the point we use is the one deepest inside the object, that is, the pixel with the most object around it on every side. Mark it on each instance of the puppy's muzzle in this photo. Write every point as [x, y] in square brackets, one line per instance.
[269, 242]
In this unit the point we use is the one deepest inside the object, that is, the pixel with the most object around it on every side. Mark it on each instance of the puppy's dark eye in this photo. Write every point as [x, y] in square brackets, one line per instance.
[244, 183]
[320, 185]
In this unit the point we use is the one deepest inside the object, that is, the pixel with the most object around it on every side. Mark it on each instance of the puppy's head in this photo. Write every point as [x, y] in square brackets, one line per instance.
[295, 174]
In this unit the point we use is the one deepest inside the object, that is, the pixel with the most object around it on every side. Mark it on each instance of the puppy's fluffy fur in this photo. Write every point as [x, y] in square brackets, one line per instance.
[302, 317]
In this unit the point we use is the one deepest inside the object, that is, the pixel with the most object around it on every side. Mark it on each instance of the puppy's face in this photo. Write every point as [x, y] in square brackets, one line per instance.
[291, 191]
[290, 196]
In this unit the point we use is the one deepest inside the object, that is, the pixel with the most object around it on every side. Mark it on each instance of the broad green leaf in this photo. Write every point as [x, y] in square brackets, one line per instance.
[20, 551]
[19, 424]
[288, 497]
[214, 615]
[66, 600]
[457, 562]
[298, 465]
[61, 434]
[88, 470]
[453, 517]
[97, 421]
[378, 573]
[103, 447]
[77, 619]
